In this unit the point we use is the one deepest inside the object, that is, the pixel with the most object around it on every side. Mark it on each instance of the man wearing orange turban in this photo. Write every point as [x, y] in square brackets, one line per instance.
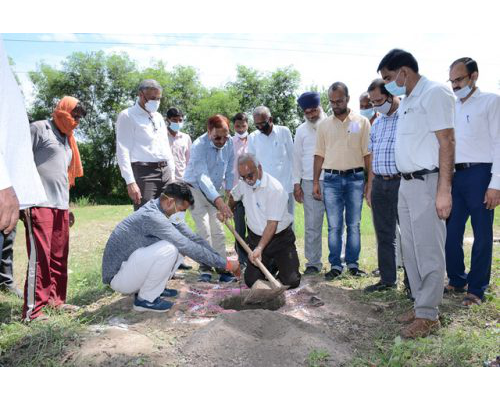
[47, 225]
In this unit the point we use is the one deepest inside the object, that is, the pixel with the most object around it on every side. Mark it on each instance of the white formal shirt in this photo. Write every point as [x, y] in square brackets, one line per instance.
[304, 147]
[430, 107]
[17, 165]
[268, 202]
[141, 137]
[180, 144]
[477, 132]
[275, 153]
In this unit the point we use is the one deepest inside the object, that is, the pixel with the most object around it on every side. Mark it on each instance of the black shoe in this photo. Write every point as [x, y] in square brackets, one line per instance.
[376, 272]
[311, 271]
[379, 287]
[205, 277]
[334, 273]
[185, 267]
[356, 272]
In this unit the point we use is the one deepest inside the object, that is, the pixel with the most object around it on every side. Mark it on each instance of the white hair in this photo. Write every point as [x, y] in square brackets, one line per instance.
[244, 158]
[149, 84]
[262, 110]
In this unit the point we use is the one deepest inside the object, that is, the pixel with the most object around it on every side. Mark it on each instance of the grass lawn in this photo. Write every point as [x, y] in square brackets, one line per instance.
[469, 336]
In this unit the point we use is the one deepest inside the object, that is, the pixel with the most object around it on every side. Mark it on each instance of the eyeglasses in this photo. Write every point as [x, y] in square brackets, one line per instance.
[248, 177]
[338, 102]
[458, 80]
[153, 122]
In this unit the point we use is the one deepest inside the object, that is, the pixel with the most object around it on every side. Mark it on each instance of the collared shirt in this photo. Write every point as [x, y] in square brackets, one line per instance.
[382, 144]
[268, 202]
[240, 147]
[52, 158]
[275, 153]
[17, 166]
[180, 144]
[141, 137]
[146, 227]
[303, 152]
[477, 132]
[430, 107]
[210, 167]
[343, 144]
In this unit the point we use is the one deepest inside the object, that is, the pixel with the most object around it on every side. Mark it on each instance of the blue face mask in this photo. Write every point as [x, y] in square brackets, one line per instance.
[370, 112]
[394, 89]
[175, 126]
[256, 185]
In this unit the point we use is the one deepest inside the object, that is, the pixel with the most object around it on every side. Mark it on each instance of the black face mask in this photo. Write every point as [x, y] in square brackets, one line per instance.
[266, 128]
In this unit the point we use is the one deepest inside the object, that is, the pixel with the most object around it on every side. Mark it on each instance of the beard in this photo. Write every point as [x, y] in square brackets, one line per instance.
[314, 125]
[340, 112]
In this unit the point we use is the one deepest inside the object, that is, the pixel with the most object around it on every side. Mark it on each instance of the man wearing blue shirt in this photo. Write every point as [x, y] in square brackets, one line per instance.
[209, 169]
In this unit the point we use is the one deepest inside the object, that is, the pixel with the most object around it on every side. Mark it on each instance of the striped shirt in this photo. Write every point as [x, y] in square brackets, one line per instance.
[382, 144]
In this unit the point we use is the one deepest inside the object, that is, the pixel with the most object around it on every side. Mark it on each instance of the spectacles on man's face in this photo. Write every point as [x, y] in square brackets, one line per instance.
[248, 177]
[338, 102]
[458, 80]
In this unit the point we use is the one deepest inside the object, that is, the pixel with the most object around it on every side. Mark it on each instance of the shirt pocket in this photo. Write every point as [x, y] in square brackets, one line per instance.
[354, 140]
[412, 121]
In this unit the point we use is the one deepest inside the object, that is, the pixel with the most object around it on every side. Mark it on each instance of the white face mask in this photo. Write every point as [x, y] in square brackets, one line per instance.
[152, 106]
[242, 135]
[464, 92]
[384, 108]
[178, 217]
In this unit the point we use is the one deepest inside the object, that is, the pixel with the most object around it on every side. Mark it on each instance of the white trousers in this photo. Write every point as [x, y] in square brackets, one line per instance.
[147, 270]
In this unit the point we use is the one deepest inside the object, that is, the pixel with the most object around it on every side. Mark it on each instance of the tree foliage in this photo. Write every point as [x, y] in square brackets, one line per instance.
[107, 84]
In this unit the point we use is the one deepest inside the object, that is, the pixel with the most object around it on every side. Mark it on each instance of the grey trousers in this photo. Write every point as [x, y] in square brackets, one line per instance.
[152, 181]
[423, 237]
[314, 214]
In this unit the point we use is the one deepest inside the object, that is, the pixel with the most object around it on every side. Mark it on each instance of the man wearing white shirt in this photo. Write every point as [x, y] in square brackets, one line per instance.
[424, 152]
[142, 148]
[273, 146]
[303, 160]
[270, 233]
[180, 142]
[20, 184]
[476, 183]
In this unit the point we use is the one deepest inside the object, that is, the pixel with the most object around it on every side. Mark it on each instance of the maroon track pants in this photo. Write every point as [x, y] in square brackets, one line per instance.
[47, 240]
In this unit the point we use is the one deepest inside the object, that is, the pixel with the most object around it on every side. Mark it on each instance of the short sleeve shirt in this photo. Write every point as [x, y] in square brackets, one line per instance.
[430, 107]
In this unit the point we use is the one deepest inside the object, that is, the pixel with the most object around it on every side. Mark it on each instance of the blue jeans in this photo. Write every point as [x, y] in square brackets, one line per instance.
[344, 194]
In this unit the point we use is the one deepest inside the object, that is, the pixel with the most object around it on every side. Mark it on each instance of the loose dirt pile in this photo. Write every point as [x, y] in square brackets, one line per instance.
[258, 338]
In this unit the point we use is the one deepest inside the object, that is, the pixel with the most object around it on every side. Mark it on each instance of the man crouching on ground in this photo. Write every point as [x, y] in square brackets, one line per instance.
[270, 233]
[147, 247]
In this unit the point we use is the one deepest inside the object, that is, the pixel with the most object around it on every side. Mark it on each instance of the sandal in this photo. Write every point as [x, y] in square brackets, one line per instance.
[454, 289]
[471, 299]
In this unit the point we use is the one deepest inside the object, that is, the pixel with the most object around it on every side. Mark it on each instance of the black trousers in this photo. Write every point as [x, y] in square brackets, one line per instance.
[279, 256]
[241, 228]
[385, 218]
[152, 181]
[7, 258]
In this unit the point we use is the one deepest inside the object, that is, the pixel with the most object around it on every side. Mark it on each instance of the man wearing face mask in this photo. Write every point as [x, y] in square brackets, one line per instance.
[342, 152]
[366, 108]
[476, 183]
[424, 150]
[273, 146]
[382, 191]
[142, 147]
[303, 160]
[180, 142]
[270, 233]
[240, 142]
[47, 225]
[210, 172]
[146, 248]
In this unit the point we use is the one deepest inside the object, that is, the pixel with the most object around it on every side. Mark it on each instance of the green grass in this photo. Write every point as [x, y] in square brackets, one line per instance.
[317, 358]
[468, 337]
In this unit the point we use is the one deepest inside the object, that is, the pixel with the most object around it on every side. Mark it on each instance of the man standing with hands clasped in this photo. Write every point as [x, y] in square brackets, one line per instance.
[425, 149]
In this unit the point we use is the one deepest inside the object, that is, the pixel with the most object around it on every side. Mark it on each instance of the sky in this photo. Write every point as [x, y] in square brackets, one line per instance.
[321, 58]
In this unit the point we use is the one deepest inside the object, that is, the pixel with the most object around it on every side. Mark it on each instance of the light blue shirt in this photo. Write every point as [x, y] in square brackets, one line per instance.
[210, 167]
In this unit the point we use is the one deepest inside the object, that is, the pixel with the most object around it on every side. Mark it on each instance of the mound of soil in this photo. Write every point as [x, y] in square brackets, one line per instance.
[261, 338]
